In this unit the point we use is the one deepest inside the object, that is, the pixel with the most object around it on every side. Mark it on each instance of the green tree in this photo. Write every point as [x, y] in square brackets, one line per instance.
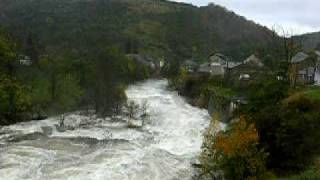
[13, 97]
[68, 95]
[287, 125]
[40, 96]
[109, 75]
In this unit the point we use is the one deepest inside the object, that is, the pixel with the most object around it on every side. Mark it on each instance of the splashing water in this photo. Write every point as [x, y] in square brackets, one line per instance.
[163, 149]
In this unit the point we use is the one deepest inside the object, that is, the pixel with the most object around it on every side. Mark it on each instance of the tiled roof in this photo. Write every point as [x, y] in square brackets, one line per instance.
[253, 59]
[299, 57]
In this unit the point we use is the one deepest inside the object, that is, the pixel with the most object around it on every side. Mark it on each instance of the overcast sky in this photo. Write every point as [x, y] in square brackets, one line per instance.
[296, 16]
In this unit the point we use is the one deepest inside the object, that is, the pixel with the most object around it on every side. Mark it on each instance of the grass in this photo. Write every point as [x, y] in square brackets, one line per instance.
[311, 174]
[312, 93]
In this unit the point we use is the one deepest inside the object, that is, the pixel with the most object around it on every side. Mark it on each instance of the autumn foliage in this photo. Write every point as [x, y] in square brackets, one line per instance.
[236, 152]
[237, 141]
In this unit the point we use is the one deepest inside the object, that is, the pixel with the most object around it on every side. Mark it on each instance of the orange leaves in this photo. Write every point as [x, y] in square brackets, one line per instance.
[237, 141]
[235, 152]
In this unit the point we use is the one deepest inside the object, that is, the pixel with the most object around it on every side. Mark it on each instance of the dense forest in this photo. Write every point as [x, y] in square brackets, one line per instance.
[60, 82]
[156, 27]
[75, 45]
[309, 41]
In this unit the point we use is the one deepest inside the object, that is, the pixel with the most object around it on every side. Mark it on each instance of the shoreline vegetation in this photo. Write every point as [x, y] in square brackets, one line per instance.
[57, 84]
[272, 134]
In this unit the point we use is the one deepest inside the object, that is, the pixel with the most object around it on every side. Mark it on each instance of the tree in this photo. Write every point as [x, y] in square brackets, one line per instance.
[237, 152]
[132, 110]
[109, 76]
[68, 95]
[144, 114]
[40, 96]
[289, 132]
[13, 97]
[14, 100]
[208, 157]
[233, 153]
[32, 48]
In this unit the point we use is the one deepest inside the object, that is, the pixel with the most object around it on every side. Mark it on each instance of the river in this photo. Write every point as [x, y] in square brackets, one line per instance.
[106, 149]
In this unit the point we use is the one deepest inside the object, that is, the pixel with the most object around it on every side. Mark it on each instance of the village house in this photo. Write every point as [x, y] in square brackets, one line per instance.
[190, 66]
[317, 75]
[241, 73]
[218, 58]
[24, 60]
[217, 65]
[317, 53]
[303, 69]
[211, 68]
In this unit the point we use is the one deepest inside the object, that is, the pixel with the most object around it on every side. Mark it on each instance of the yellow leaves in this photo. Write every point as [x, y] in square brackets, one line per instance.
[216, 122]
[238, 152]
[10, 87]
[234, 151]
[6, 49]
[238, 140]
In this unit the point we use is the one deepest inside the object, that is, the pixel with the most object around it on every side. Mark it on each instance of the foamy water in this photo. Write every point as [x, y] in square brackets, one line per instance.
[102, 149]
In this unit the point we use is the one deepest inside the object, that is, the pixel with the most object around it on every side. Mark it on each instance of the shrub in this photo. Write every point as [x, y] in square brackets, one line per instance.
[236, 152]
[311, 174]
[240, 157]
[289, 132]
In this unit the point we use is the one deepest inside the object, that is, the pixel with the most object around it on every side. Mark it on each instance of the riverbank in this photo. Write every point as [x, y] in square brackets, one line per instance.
[268, 114]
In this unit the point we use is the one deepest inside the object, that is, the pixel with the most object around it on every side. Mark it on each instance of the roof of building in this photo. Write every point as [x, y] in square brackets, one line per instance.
[189, 62]
[212, 68]
[317, 53]
[253, 59]
[218, 58]
[233, 64]
[205, 67]
[299, 57]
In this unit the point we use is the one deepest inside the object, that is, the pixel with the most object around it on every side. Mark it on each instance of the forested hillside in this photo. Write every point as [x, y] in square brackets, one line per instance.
[155, 27]
[309, 41]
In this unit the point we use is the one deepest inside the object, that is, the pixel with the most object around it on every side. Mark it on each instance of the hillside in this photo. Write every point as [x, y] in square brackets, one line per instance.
[156, 27]
[309, 41]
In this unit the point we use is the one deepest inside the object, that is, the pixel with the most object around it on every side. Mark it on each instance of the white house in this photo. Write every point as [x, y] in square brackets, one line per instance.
[24, 60]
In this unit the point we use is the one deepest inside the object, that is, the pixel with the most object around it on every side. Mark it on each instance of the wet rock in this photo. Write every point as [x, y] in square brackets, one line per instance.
[94, 141]
[64, 128]
[47, 130]
[24, 137]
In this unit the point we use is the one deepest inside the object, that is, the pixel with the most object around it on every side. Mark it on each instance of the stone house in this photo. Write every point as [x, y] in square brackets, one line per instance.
[303, 69]
[240, 73]
[216, 65]
[211, 69]
[190, 66]
[24, 60]
[218, 58]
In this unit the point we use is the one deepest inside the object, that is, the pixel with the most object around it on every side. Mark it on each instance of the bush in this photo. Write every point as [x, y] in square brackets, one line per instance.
[13, 100]
[290, 133]
[311, 174]
[236, 153]
[240, 157]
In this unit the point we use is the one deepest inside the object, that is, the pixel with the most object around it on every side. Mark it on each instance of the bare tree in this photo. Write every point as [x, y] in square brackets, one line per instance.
[144, 114]
[61, 120]
[132, 109]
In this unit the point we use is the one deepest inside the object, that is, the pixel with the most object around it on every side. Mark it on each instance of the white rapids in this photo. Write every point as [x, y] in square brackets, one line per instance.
[164, 149]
